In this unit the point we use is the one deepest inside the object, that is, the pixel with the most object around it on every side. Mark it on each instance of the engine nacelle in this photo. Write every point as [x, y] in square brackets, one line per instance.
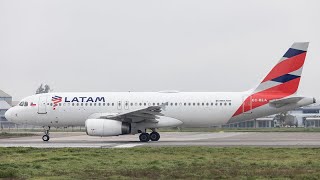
[106, 127]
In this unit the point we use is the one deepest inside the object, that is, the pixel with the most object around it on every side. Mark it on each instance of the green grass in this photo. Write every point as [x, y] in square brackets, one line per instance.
[13, 135]
[160, 163]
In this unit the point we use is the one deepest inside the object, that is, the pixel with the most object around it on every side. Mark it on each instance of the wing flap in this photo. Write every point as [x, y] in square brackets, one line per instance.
[149, 114]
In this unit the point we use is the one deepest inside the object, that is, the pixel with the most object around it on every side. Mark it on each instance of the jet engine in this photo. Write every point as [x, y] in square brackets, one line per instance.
[106, 127]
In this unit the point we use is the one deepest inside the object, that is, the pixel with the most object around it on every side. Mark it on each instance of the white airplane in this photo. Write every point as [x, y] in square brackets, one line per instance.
[118, 113]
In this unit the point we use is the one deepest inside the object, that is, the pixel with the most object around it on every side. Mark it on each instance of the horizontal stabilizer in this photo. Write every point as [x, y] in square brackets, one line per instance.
[283, 102]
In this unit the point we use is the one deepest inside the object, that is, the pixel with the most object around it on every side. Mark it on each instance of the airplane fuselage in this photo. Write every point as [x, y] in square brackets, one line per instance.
[194, 109]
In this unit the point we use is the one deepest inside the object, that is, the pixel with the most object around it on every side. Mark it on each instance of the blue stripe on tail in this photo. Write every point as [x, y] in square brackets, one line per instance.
[285, 78]
[292, 52]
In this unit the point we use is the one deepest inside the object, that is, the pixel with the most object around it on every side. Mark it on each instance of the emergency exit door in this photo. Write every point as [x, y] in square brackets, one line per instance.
[119, 105]
[126, 105]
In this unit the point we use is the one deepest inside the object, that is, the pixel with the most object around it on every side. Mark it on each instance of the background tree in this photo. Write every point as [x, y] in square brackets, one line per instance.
[46, 88]
[42, 89]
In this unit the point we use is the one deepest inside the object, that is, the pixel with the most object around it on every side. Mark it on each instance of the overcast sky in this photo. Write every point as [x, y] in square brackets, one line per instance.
[126, 45]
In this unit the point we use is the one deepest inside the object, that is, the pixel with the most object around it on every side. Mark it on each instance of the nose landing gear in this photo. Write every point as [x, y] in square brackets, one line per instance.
[46, 136]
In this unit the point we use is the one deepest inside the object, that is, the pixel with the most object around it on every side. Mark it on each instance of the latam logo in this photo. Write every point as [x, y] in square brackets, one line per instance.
[56, 100]
[84, 99]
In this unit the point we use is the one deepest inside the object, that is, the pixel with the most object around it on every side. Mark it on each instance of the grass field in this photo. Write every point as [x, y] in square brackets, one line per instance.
[160, 163]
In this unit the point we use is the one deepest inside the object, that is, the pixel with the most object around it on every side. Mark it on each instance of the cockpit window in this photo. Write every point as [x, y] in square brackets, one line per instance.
[21, 103]
[25, 103]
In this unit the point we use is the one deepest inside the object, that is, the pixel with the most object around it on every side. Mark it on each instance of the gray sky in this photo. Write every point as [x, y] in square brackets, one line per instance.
[124, 45]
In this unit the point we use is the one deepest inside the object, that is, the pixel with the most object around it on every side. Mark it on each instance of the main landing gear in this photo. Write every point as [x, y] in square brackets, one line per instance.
[145, 137]
[46, 136]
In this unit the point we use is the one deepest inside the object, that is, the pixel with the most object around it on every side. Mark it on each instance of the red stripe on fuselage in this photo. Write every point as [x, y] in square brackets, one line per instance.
[264, 97]
[287, 66]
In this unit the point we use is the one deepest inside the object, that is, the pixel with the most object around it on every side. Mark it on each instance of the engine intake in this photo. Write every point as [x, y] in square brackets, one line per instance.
[106, 127]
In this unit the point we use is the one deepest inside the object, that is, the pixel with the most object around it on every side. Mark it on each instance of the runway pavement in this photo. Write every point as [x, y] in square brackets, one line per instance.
[221, 139]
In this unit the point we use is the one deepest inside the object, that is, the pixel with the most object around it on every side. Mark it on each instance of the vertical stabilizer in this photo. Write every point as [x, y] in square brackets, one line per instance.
[285, 76]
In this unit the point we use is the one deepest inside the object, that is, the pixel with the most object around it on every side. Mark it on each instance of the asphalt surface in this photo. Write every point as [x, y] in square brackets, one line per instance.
[256, 139]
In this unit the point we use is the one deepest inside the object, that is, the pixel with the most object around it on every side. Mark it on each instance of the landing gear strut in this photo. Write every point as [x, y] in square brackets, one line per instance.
[145, 137]
[46, 136]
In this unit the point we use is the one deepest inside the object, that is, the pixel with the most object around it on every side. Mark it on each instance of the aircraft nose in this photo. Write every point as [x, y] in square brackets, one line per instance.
[8, 115]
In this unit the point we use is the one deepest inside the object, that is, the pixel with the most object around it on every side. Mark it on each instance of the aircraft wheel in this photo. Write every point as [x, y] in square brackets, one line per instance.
[154, 136]
[144, 137]
[45, 138]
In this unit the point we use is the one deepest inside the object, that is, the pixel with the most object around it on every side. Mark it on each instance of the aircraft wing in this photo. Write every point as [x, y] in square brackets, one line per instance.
[149, 114]
[283, 102]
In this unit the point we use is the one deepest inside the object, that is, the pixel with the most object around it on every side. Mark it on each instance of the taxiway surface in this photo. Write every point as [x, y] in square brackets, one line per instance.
[79, 139]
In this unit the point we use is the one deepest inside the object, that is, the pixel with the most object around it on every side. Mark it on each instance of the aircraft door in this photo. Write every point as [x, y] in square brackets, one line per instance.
[42, 105]
[119, 105]
[126, 105]
[247, 105]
